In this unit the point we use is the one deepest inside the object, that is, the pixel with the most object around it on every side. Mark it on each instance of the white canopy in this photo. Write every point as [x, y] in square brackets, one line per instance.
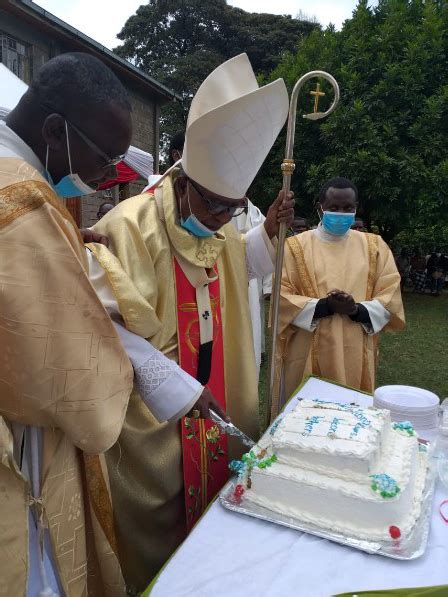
[140, 161]
[12, 88]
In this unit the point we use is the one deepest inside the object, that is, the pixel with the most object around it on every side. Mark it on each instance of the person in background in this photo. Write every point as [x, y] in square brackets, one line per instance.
[403, 265]
[359, 225]
[340, 290]
[175, 150]
[103, 209]
[299, 225]
[444, 262]
[259, 288]
[418, 271]
[435, 272]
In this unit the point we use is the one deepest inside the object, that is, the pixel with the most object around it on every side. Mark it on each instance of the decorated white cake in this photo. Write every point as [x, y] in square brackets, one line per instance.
[339, 467]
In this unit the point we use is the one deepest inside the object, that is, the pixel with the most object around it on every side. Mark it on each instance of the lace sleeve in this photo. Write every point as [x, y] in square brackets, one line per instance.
[151, 375]
[167, 390]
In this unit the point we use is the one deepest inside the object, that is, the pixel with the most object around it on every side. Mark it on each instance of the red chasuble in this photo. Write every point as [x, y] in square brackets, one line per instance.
[204, 449]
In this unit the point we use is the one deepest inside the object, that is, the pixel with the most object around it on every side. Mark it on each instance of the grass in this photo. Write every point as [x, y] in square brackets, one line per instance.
[415, 357]
[418, 356]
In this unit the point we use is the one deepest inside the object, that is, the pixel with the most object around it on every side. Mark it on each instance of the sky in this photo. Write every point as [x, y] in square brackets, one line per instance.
[102, 20]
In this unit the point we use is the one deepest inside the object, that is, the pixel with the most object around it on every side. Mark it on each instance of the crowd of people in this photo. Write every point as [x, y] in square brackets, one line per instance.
[426, 272]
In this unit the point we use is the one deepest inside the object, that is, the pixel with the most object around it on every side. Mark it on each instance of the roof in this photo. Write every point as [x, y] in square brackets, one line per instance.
[30, 12]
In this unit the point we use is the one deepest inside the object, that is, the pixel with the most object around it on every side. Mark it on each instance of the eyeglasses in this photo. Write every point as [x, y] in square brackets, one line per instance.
[107, 159]
[217, 207]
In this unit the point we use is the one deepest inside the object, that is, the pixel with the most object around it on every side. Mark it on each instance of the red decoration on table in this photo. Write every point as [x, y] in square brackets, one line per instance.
[239, 490]
[238, 493]
[394, 532]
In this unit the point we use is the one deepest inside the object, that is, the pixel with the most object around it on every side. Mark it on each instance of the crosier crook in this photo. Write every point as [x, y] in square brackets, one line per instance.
[287, 169]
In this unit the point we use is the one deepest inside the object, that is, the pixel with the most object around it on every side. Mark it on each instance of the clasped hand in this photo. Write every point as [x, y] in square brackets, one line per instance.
[341, 302]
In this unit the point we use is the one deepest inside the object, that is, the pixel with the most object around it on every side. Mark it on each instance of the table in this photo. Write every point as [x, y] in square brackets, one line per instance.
[231, 555]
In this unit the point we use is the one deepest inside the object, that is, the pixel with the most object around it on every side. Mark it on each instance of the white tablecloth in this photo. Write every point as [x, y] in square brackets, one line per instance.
[232, 555]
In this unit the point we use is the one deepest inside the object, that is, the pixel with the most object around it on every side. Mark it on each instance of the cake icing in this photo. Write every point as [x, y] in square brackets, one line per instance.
[340, 467]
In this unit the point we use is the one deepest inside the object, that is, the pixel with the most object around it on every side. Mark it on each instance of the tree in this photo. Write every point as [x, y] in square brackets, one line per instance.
[389, 132]
[179, 42]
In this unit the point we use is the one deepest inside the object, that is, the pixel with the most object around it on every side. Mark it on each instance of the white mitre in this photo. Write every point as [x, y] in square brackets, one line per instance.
[232, 125]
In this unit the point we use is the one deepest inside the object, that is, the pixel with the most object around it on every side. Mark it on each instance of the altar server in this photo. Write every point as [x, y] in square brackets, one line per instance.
[340, 289]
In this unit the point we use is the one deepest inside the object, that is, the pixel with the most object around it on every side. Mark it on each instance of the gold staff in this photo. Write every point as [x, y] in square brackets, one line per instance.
[287, 167]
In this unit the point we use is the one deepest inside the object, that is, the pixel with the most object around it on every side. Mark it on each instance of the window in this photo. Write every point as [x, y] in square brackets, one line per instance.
[16, 56]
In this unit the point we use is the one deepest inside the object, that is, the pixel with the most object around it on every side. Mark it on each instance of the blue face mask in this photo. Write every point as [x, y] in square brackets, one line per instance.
[194, 226]
[337, 223]
[70, 185]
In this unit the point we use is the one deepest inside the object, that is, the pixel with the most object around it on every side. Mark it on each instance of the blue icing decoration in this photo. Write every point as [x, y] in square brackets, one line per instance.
[352, 408]
[237, 466]
[334, 424]
[309, 424]
[356, 430]
[274, 426]
[384, 485]
[363, 420]
[342, 406]
[405, 426]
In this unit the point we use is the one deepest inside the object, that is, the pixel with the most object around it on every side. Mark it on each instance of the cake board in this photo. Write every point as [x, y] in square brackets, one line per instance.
[406, 548]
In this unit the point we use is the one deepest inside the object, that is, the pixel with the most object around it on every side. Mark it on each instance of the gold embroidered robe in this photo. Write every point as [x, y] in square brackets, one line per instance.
[145, 466]
[338, 349]
[62, 368]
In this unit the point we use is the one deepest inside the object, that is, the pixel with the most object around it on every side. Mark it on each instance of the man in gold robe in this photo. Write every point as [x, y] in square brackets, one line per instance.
[176, 273]
[65, 379]
[340, 289]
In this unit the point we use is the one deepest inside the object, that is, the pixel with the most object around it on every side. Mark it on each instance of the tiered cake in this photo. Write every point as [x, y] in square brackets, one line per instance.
[340, 467]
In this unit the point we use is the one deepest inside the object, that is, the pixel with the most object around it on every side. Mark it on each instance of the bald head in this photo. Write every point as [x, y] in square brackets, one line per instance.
[77, 103]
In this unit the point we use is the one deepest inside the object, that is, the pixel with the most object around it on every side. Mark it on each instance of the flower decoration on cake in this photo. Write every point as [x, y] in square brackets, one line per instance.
[405, 427]
[384, 485]
[249, 461]
[237, 466]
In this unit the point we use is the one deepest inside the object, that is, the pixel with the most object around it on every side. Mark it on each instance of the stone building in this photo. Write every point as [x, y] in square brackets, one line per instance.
[29, 36]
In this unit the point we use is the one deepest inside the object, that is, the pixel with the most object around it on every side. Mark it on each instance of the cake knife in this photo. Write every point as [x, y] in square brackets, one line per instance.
[230, 429]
